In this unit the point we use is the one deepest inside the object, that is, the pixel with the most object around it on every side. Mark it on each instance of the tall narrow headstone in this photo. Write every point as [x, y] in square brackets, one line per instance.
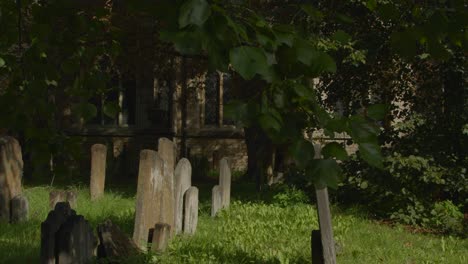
[98, 170]
[183, 181]
[161, 235]
[191, 210]
[49, 228]
[225, 182]
[76, 242]
[216, 200]
[11, 171]
[167, 151]
[19, 209]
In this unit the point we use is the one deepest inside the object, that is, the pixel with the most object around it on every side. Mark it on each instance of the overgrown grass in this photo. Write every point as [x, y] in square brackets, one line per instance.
[251, 231]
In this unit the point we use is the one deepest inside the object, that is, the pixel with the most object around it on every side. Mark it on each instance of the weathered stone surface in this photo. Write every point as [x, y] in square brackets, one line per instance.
[161, 236]
[56, 196]
[216, 200]
[19, 209]
[113, 243]
[98, 170]
[191, 210]
[11, 171]
[49, 228]
[225, 182]
[76, 242]
[167, 151]
[183, 181]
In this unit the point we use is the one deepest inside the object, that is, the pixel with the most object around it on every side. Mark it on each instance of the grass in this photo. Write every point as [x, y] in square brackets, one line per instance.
[251, 231]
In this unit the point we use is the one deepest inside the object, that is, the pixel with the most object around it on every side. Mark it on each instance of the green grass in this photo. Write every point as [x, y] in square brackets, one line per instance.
[249, 232]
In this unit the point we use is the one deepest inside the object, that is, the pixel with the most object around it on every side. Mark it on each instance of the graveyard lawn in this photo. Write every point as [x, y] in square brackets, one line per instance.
[250, 231]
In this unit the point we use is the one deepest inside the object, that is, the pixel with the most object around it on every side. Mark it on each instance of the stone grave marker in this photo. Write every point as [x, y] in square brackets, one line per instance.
[11, 171]
[216, 200]
[98, 170]
[76, 242]
[183, 181]
[167, 151]
[56, 196]
[191, 210]
[113, 243]
[225, 182]
[161, 235]
[49, 228]
[19, 209]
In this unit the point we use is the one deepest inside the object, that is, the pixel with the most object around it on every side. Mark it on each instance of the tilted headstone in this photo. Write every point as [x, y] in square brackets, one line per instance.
[191, 210]
[49, 228]
[161, 235]
[167, 151]
[216, 200]
[57, 196]
[183, 181]
[225, 182]
[113, 243]
[19, 209]
[98, 170]
[11, 171]
[76, 242]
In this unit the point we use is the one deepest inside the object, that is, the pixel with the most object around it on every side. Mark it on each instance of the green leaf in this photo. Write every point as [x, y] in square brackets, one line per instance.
[185, 42]
[2, 62]
[313, 13]
[341, 36]
[325, 172]
[249, 61]
[304, 91]
[370, 152]
[371, 4]
[336, 150]
[88, 111]
[111, 109]
[362, 130]
[194, 12]
[268, 122]
[302, 151]
[377, 111]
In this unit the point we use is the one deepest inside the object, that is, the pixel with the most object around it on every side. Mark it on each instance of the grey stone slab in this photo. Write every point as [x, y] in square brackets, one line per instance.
[216, 200]
[113, 243]
[98, 171]
[161, 236]
[183, 181]
[11, 172]
[191, 210]
[225, 182]
[19, 209]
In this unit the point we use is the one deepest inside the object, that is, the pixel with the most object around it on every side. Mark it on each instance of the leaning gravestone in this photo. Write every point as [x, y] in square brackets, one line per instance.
[225, 182]
[57, 196]
[167, 152]
[19, 209]
[113, 243]
[75, 241]
[183, 181]
[216, 200]
[49, 228]
[191, 210]
[161, 235]
[98, 170]
[11, 170]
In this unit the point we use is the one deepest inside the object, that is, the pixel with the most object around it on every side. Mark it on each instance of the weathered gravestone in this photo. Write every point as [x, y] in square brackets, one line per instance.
[76, 242]
[19, 209]
[183, 181]
[49, 228]
[191, 210]
[161, 235]
[216, 200]
[225, 182]
[167, 151]
[113, 243]
[11, 170]
[98, 171]
[57, 196]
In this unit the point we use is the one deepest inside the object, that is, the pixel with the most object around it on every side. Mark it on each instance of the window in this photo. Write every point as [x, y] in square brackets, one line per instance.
[218, 92]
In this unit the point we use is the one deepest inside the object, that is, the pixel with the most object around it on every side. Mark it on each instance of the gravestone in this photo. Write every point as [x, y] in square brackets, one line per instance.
[161, 235]
[225, 182]
[57, 196]
[19, 209]
[216, 200]
[167, 151]
[183, 181]
[98, 171]
[49, 228]
[76, 242]
[113, 243]
[191, 210]
[11, 171]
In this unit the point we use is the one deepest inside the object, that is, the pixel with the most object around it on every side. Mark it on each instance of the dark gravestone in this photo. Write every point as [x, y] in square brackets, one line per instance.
[113, 243]
[75, 241]
[49, 228]
[19, 209]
